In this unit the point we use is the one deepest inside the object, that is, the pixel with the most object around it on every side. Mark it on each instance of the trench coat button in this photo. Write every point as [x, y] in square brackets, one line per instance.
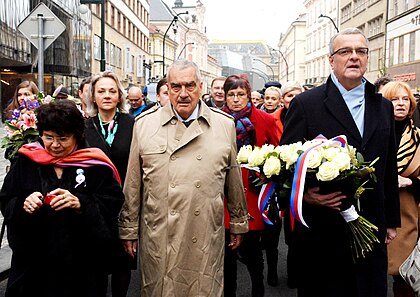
[172, 185]
[173, 122]
[162, 148]
[173, 158]
[194, 239]
[199, 157]
[197, 185]
[197, 212]
[173, 212]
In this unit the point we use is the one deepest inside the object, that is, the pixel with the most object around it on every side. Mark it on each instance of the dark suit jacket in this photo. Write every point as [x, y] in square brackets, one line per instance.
[323, 256]
[120, 149]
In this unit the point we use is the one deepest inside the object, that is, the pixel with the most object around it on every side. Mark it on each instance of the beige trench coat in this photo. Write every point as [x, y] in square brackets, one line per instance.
[184, 175]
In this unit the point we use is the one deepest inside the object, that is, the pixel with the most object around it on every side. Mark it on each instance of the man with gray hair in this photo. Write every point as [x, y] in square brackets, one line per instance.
[178, 182]
[346, 104]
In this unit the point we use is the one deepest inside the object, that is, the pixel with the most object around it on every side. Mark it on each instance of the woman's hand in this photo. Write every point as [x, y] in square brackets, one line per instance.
[64, 199]
[33, 202]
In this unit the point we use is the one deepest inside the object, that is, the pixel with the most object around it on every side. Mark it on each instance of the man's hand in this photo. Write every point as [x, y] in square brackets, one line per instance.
[391, 233]
[331, 200]
[235, 240]
[404, 181]
[130, 247]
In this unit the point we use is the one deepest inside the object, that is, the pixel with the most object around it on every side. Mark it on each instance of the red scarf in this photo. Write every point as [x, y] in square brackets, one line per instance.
[84, 158]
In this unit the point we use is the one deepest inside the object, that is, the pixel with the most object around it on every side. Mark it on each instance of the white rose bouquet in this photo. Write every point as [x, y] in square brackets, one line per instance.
[332, 165]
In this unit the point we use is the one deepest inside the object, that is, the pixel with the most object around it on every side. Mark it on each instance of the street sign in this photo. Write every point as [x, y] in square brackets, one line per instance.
[52, 26]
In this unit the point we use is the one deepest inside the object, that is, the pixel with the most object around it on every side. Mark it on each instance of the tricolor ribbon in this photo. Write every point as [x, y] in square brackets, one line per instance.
[265, 193]
[299, 176]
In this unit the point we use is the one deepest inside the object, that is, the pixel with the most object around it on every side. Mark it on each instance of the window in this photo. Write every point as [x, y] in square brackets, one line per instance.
[375, 26]
[358, 6]
[117, 57]
[106, 51]
[401, 49]
[112, 54]
[97, 47]
[374, 60]
[345, 13]
[391, 52]
[412, 47]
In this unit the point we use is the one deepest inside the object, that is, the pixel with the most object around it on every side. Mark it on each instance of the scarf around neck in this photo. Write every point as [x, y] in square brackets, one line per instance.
[245, 130]
[87, 157]
[409, 143]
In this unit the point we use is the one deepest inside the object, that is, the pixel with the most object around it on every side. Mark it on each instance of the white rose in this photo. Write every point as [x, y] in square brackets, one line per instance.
[314, 159]
[266, 149]
[256, 158]
[243, 154]
[342, 161]
[271, 166]
[327, 171]
[329, 153]
[309, 144]
[289, 156]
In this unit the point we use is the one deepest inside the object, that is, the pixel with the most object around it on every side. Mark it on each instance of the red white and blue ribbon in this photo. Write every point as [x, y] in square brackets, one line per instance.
[265, 193]
[299, 176]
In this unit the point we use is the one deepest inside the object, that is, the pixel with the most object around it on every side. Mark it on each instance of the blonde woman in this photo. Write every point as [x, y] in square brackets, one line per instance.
[408, 162]
[272, 98]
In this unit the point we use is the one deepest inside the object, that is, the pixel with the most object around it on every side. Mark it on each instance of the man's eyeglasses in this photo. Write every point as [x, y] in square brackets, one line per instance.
[233, 95]
[348, 51]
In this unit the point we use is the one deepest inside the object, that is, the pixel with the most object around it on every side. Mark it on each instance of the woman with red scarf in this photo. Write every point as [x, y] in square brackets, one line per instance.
[253, 127]
[60, 202]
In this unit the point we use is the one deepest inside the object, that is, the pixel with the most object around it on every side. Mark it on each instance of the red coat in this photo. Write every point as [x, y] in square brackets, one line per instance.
[265, 129]
[279, 124]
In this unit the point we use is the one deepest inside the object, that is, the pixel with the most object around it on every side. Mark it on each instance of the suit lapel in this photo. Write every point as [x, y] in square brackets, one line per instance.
[372, 110]
[334, 102]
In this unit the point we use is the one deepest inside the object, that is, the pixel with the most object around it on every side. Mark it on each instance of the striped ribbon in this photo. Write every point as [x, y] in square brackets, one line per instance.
[265, 193]
[299, 176]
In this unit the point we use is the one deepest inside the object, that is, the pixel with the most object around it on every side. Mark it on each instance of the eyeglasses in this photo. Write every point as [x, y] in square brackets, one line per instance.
[233, 95]
[59, 139]
[348, 51]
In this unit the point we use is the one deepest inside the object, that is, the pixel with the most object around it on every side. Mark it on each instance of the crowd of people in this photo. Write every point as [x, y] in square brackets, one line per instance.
[120, 181]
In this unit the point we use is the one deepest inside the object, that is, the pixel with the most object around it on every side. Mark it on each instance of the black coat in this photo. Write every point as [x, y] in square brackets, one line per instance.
[60, 253]
[321, 253]
[120, 149]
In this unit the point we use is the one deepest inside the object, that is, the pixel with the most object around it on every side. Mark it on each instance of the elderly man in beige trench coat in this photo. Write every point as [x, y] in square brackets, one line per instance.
[176, 180]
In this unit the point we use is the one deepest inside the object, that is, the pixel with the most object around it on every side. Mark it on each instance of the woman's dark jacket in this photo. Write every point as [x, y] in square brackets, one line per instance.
[120, 149]
[60, 253]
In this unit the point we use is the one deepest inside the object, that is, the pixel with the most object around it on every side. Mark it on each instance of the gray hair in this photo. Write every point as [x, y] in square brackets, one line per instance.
[91, 106]
[290, 86]
[182, 64]
[347, 31]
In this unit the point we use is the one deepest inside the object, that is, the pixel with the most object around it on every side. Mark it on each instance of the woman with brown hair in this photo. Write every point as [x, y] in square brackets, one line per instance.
[24, 90]
[408, 161]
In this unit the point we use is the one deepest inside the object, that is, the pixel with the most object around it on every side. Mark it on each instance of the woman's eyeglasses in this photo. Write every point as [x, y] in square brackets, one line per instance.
[233, 95]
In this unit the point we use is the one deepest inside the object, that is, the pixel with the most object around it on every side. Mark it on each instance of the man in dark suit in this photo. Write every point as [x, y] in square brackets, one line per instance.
[346, 104]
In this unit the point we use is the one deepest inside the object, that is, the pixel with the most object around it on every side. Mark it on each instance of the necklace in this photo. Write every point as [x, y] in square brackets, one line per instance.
[112, 128]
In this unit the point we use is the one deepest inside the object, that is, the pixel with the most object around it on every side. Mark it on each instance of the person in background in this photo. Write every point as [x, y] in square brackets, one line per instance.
[408, 157]
[416, 113]
[257, 99]
[272, 98]
[83, 91]
[271, 233]
[346, 104]
[253, 127]
[162, 95]
[217, 96]
[60, 202]
[62, 94]
[24, 90]
[109, 127]
[381, 82]
[205, 97]
[137, 102]
[176, 182]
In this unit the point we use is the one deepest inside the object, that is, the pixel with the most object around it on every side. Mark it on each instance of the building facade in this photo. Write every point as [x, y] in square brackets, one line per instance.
[403, 42]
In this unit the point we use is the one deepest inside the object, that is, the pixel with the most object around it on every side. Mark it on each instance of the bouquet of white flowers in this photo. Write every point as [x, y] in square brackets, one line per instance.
[332, 164]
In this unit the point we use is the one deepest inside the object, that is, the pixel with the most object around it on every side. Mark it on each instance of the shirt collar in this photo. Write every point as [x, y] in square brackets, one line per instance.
[342, 89]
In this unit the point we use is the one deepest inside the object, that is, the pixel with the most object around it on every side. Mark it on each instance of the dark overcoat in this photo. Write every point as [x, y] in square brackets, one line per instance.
[321, 253]
[60, 253]
[120, 149]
